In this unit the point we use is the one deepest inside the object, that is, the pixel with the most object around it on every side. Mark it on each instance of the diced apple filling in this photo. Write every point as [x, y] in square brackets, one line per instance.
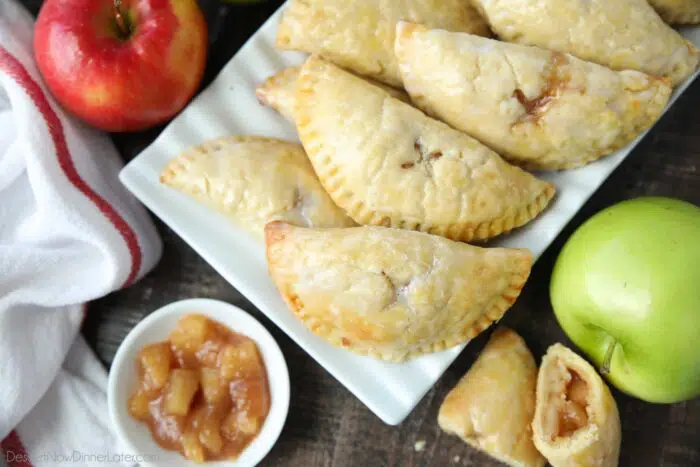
[239, 361]
[238, 425]
[213, 388]
[139, 405]
[192, 448]
[156, 361]
[181, 389]
[210, 437]
[188, 337]
[205, 422]
[572, 410]
[203, 392]
[247, 423]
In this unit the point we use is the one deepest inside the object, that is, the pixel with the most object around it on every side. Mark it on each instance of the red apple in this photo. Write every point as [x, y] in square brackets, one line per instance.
[121, 65]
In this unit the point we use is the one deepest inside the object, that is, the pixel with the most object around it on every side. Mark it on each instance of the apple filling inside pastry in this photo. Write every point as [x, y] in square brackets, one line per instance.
[576, 418]
[572, 412]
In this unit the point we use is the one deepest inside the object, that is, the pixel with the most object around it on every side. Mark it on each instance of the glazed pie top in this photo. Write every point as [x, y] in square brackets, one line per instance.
[678, 11]
[253, 180]
[359, 34]
[492, 405]
[279, 91]
[387, 163]
[391, 293]
[540, 109]
[620, 34]
[576, 418]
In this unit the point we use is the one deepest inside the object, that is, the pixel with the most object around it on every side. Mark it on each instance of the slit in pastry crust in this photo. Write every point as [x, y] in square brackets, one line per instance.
[539, 108]
[387, 163]
[252, 180]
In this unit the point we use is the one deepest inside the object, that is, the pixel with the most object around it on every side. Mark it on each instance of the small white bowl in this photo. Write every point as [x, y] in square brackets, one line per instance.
[136, 437]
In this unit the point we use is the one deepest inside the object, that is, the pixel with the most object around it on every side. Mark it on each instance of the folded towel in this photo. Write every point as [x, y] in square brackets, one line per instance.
[69, 233]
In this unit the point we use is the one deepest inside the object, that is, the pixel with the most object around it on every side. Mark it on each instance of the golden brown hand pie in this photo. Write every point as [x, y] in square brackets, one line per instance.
[389, 293]
[678, 11]
[620, 34]
[540, 109]
[492, 405]
[359, 34]
[387, 163]
[279, 91]
[576, 418]
[252, 180]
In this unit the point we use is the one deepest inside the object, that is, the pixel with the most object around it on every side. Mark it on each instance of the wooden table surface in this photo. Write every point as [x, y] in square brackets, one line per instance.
[327, 425]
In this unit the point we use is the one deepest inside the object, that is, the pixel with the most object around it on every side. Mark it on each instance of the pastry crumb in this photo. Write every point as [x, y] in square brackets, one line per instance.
[456, 459]
[419, 446]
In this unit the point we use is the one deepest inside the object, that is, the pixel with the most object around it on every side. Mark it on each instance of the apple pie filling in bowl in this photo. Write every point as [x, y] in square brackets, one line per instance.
[199, 381]
[203, 391]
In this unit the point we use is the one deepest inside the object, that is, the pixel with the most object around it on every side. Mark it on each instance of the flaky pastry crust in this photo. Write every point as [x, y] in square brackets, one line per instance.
[392, 294]
[386, 163]
[252, 180]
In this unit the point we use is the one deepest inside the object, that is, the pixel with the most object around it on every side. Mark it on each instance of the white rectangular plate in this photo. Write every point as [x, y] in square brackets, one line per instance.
[229, 107]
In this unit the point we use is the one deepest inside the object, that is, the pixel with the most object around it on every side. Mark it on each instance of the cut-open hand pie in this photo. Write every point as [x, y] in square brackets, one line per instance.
[540, 109]
[492, 405]
[359, 34]
[678, 11]
[576, 418]
[279, 91]
[389, 293]
[387, 163]
[620, 34]
[253, 180]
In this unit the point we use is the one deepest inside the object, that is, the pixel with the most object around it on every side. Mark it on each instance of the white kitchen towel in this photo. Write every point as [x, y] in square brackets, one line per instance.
[69, 233]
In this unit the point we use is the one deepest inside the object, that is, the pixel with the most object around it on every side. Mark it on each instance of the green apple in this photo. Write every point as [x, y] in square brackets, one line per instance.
[626, 290]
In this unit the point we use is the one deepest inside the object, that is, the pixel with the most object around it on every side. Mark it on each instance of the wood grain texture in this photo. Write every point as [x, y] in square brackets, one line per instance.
[327, 425]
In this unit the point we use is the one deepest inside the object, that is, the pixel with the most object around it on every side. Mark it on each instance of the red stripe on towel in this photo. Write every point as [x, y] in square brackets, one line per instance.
[19, 73]
[15, 454]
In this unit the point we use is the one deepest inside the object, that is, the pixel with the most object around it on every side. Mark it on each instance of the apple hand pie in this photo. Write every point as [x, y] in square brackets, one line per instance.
[678, 11]
[576, 419]
[279, 92]
[386, 163]
[620, 34]
[389, 293]
[540, 109]
[359, 34]
[253, 180]
[492, 405]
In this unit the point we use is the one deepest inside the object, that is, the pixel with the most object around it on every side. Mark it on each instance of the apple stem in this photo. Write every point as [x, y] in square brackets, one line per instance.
[605, 367]
[122, 23]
